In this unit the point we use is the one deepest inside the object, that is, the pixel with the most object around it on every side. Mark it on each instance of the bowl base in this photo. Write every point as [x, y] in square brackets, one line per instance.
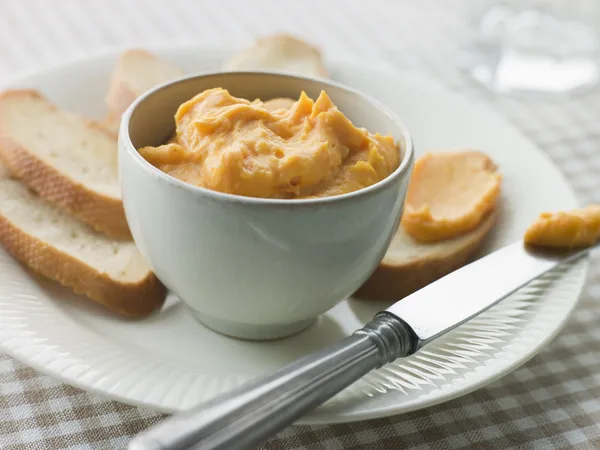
[251, 331]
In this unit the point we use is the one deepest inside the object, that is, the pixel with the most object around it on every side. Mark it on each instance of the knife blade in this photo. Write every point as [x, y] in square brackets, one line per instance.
[474, 288]
[254, 411]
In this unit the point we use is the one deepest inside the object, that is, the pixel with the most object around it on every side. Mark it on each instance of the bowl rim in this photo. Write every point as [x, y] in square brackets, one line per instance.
[402, 169]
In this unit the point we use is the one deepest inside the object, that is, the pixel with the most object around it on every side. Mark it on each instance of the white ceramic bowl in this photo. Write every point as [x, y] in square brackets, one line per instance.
[248, 267]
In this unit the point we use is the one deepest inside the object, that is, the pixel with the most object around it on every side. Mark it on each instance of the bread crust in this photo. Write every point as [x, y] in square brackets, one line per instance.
[394, 280]
[103, 213]
[282, 39]
[120, 93]
[135, 299]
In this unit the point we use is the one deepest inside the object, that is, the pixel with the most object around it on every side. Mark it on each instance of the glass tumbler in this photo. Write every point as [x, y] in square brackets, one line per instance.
[532, 46]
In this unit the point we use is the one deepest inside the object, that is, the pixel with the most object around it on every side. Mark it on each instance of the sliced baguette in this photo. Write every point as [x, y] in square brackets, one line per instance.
[64, 158]
[56, 245]
[409, 265]
[136, 72]
[280, 52]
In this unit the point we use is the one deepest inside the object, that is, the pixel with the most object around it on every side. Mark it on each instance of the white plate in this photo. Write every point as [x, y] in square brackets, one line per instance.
[170, 362]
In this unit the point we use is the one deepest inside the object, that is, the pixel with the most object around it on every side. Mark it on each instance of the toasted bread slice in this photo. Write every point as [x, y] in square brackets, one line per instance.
[64, 158]
[56, 245]
[409, 265]
[136, 72]
[280, 52]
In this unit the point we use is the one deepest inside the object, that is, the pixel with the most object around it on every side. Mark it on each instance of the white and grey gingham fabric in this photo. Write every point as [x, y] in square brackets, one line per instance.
[553, 401]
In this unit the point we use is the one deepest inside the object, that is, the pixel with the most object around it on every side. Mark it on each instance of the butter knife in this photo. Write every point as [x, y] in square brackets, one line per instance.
[251, 413]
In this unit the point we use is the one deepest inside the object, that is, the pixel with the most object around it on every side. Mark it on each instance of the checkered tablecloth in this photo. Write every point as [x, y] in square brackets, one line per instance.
[553, 401]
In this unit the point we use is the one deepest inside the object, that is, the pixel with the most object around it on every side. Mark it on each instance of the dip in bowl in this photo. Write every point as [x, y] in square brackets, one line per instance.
[259, 260]
[267, 150]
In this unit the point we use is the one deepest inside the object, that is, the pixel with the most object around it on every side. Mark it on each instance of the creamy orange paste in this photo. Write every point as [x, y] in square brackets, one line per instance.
[450, 193]
[274, 149]
[577, 228]
[279, 103]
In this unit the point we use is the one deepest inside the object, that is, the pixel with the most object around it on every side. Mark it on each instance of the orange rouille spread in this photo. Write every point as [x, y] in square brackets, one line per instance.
[577, 228]
[450, 193]
[274, 149]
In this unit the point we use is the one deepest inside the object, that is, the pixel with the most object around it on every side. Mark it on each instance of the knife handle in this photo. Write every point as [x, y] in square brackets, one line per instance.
[254, 411]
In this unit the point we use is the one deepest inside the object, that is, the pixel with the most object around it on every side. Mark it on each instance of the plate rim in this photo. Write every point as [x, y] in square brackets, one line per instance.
[311, 419]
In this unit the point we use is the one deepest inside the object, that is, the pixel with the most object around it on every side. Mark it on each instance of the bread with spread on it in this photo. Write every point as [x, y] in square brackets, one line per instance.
[450, 208]
[58, 246]
[136, 72]
[409, 265]
[67, 160]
